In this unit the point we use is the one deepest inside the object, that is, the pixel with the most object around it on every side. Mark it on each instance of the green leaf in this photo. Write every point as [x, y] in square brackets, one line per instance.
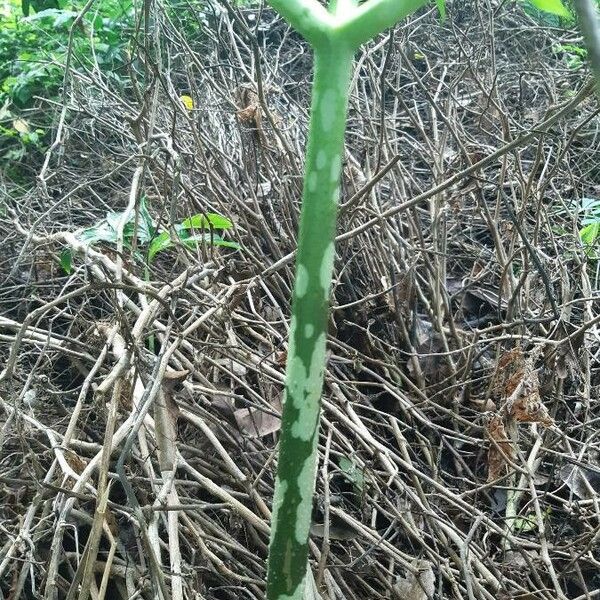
[227, 244]
[554, 7]
[352, 473]
[215, 240]
[441, 6]
[113, 219]
[589, 234]
[25, 7]
[106, 230]
[146, 227]
[102, 232]
[590, 204]
[161, 242]
[60, 16]
[529, 521]
[66, 260]
[164, 241]
[207, 221]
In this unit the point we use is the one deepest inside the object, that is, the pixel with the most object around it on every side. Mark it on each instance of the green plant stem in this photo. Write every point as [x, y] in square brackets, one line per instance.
[294, 487]
[334, 34]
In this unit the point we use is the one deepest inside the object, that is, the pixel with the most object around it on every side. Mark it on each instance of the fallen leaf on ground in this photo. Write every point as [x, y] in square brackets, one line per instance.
[336, 532]
[584, 483]
[417, 587]
[187, 101]
[256, 422]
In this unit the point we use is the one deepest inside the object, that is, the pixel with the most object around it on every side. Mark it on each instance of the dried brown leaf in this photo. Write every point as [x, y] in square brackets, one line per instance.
[281, 358]
[75, 462]
[501, 449]
[255, 422]
[247, 115]
[529, 409]
[417, 587]
[518, 382]
[511, 370]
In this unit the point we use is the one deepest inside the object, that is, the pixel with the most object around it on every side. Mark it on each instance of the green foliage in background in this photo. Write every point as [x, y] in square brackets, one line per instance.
[34, 42]
[553, 7]
[38, 5]
[552, 13]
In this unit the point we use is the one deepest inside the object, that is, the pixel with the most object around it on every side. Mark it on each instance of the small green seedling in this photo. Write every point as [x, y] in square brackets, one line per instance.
[590, 231]
[353, 473]
[192, 232]
[529, 522]
[574, 55]
[187, 233]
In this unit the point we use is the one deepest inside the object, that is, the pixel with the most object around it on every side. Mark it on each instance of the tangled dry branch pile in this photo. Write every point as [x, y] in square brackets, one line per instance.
[139, 402]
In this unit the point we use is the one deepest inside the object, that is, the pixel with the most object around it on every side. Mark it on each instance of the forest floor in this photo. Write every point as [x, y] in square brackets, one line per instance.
[459, 447]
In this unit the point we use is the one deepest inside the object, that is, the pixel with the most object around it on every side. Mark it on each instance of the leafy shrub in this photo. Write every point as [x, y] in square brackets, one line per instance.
[33, 55]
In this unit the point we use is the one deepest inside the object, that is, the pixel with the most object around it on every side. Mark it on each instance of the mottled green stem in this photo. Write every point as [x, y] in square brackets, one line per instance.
[334, 35]
[292, 504]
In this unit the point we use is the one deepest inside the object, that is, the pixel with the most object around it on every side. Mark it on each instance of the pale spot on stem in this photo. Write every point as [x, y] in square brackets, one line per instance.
[327, 109]
[336, 168]
[327, 269]
[278, 499]
[301, 281]
[305, 390]
[305, 483]
[321, 159]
